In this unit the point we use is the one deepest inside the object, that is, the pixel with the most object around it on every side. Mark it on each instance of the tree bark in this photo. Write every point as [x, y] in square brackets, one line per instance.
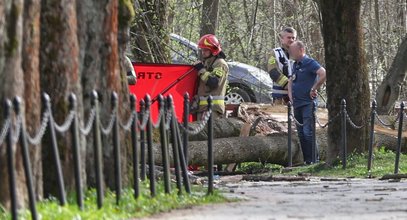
[101, 49]
[347, 75]
[222, 128]
[390, 88]
[11, 76]
[210, 14]
[271, 149]
[59, 77]
[31, 69]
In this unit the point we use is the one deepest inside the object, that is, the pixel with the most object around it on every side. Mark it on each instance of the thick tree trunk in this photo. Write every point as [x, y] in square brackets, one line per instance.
[347, 76]
[100, 70]
[389, 91]
[31, 68]
[210, 14]
[11, 76]
[59, 78]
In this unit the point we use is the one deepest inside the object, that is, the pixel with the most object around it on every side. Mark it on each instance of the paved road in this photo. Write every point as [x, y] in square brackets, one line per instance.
[355, 199]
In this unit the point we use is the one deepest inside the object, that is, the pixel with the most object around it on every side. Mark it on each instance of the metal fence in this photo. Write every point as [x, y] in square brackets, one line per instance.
[138, 123]
[345, 119]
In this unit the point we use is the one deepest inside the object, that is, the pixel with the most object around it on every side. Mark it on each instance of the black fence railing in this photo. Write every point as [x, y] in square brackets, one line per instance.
[139, 124]
[345, 119]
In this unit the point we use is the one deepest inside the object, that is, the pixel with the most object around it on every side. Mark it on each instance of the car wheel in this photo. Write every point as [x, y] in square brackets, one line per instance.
[237, 96]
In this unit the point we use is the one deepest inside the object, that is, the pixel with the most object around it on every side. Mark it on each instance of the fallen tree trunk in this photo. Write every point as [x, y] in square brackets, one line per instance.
[231, 127]
[268, 149]
[222, 128]
[390, 142]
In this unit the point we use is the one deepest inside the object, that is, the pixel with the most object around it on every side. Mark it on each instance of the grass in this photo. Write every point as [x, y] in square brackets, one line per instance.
[383, 163]
[129, 207]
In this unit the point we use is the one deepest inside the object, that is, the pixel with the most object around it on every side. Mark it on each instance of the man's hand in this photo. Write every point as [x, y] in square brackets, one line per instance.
[313, 93]
[198, 65]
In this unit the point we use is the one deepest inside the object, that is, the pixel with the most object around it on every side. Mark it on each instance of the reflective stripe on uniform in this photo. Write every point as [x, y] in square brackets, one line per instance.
[218, 71]
[205, 75]
[282, 80]
[217, 100]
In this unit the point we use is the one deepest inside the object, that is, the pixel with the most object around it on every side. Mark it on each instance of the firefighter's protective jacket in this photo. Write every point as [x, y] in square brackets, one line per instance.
[279, 68]
[213, 81]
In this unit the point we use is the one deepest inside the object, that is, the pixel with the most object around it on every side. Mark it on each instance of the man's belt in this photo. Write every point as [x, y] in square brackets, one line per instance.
[216, 100]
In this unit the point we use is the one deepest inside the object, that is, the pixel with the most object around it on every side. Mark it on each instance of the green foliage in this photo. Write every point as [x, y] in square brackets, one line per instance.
[383, 163]
[128, 207]
[255, 167]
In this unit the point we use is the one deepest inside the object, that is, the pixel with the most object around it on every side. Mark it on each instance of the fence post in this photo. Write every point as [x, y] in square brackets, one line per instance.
[26, 160]
[97, 151]
[344, 141]
[185, 133]
[372, 120]
[400, 130]
[314, 133]
[11, 162]
[175, 145]
[183, 164]
[142, 141]
[289, 134]
[151, 165]
[164, 145]
[210, 149]
[55, 151]
[116, 149]
[75, 151]
[136, 187]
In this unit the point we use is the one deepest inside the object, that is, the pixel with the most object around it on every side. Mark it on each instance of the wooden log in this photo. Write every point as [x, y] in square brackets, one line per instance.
[270, 149]
[222, 128]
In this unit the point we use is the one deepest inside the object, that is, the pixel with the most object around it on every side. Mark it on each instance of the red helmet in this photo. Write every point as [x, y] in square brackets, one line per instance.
[210, 42]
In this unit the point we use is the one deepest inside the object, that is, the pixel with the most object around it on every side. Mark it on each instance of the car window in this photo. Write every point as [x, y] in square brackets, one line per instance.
[181, 53]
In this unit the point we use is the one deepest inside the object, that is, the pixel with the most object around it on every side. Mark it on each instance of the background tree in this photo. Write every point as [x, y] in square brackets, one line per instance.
[389, 91]
[10, 75]
[150, 32]
[209, 21]
[347, 75]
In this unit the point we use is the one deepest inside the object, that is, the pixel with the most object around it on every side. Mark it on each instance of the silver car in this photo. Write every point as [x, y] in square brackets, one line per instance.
[246, 83]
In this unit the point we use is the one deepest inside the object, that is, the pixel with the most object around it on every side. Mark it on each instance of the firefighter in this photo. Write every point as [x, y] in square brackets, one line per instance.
[279, 66]
[213, 73]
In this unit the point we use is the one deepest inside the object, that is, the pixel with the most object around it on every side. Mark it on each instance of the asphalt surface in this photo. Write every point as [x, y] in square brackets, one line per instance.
[317, 198]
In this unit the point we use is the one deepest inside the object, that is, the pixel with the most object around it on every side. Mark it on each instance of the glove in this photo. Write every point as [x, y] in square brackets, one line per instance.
[212, 82]
[198, 66]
